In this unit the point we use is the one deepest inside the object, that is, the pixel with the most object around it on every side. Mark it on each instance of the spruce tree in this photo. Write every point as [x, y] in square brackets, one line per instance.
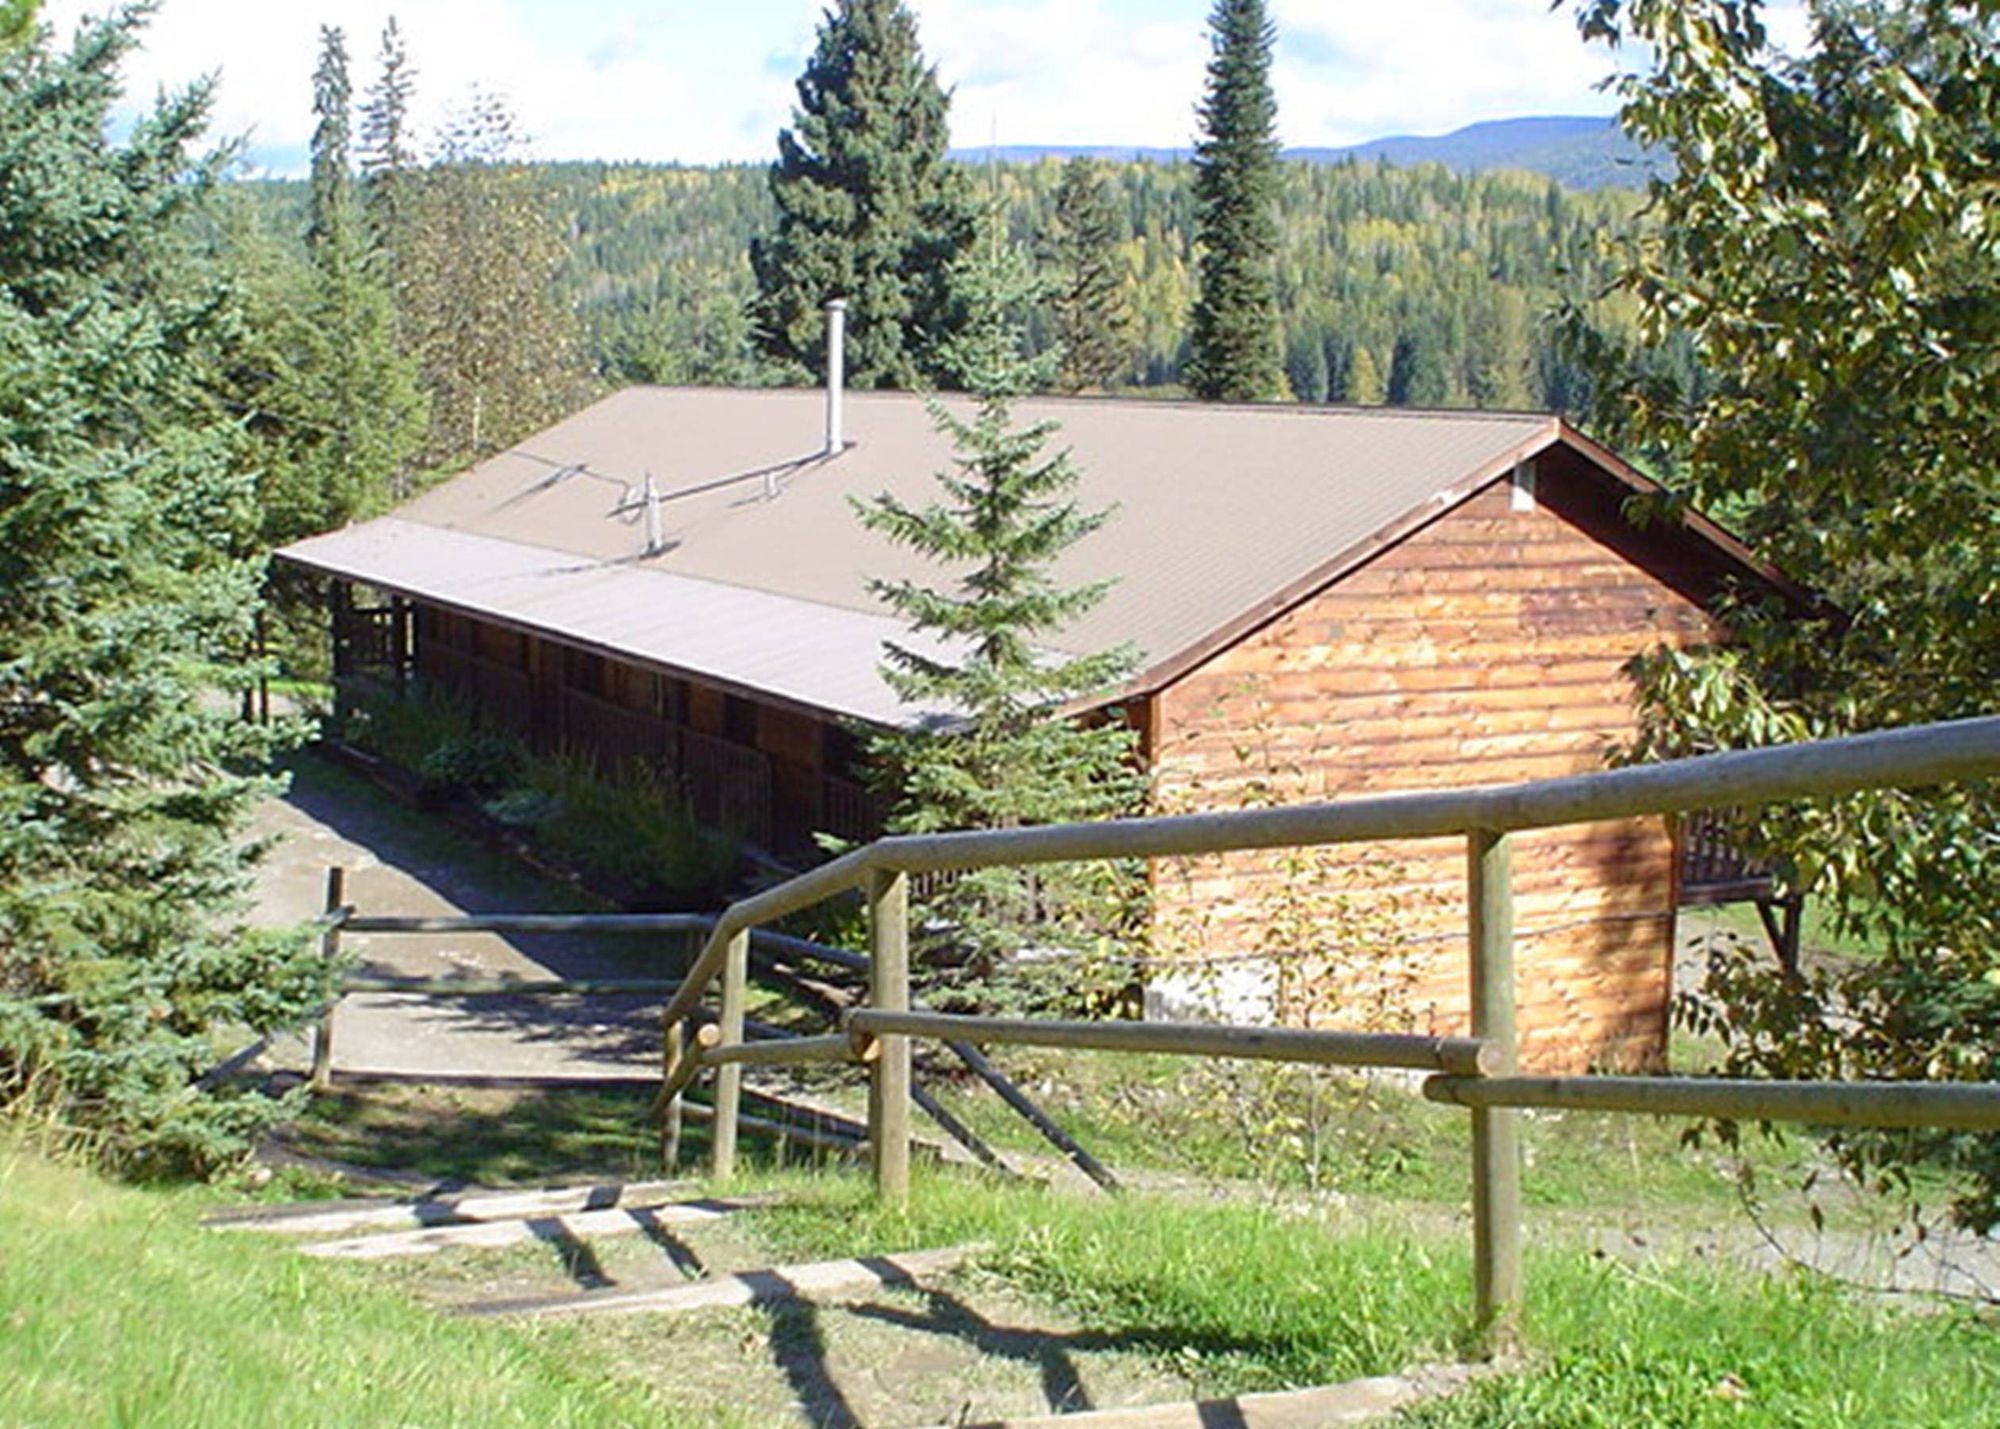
[17, 22]
[1008, 757]
[1417, 374]
[124, 509]
[346, 396]
[868, 209]
[1092, 314]
[1233, 353]
[331, 192]
[388, 150]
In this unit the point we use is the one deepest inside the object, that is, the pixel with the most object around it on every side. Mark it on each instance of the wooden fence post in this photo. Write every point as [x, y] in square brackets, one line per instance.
[673, 1047]
[889, 1078]
[1496, 1147]
[729, 1076]
[329, 948]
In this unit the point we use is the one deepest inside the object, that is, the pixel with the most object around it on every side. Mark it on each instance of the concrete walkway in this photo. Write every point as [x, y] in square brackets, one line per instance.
[399, 862]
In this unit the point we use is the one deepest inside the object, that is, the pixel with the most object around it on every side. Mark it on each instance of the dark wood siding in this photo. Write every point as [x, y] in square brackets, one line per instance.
[756, 769]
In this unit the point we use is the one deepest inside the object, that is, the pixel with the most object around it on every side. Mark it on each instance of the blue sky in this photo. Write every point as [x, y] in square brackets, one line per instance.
[707, 80]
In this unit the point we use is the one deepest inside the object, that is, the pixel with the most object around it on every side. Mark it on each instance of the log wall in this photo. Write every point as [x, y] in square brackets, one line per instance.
[1486, 648]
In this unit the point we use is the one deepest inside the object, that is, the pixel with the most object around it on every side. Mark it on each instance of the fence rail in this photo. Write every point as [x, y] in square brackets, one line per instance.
[1482, 1075]
[1465, 1056]
[1953, 1106]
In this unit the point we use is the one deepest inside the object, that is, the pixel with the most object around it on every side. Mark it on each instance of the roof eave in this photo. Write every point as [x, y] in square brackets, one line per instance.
[824, 713]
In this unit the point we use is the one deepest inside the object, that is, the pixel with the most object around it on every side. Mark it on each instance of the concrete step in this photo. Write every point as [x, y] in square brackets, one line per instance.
[1358, 1401]
[820, 1279]
[572, 1227]
[334, 1217]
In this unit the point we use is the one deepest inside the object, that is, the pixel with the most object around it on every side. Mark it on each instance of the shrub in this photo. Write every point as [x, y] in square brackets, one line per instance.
[407, 728]
[632, 831]
[482, 762]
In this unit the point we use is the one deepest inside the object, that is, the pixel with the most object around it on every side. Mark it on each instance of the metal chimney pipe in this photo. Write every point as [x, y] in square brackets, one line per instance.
[836, 374]
[651, 497]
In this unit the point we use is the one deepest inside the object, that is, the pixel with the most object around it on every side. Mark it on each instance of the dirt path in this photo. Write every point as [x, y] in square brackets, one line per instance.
[398, 862]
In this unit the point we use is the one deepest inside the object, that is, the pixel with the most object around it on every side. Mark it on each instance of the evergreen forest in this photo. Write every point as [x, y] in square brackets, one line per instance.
[1416, 286]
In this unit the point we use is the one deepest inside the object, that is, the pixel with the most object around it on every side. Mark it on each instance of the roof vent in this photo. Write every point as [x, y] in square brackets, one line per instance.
[836, 375]
[1522, 494]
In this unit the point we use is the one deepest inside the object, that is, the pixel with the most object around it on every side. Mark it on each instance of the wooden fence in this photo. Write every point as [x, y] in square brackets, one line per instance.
[778, 950]
[1478, 1073]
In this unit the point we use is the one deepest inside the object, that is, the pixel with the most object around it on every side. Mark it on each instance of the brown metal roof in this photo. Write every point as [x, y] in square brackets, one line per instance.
[801, 652]
[1223, 516]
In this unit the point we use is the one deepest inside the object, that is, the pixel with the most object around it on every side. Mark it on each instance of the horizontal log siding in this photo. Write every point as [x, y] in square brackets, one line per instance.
[1485, 649]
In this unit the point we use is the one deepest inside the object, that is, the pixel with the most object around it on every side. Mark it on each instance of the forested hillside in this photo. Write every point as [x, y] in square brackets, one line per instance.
[1412, 285]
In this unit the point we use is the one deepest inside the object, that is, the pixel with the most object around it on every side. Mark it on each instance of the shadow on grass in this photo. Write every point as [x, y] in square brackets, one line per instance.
[798, 1346]
[488, 1136]
[479, 1136]
[579, 1260]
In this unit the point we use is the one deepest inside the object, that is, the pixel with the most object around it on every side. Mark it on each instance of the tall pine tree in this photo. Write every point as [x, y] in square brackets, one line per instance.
[868, 209]
[1006, 515]
[331, 193]
[388, 150]
[348, 396]
[1234, 350]
[124, 509]
[1092, 314]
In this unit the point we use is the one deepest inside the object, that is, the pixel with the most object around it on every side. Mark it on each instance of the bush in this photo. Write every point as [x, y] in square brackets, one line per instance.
[407, 728]
[632, 831]
[480, 763]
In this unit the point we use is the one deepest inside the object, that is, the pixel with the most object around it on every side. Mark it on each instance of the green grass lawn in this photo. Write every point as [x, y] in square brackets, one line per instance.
[117, 1309]
[1256, 1297]
[1312, 1130]
[1700, 1348]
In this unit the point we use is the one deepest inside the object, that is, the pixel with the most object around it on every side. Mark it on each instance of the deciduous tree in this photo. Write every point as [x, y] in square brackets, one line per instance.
[478, 259]
[1829, 246]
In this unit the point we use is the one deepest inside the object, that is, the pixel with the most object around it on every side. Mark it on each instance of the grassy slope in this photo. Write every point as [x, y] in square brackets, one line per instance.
[116, 1309]
[1694, 1348]
[1248, 1298]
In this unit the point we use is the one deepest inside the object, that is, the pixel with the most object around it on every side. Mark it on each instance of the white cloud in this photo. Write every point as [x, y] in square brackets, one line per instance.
[1427, 66]
[1066, 72]
[586, 82]
[702, 80]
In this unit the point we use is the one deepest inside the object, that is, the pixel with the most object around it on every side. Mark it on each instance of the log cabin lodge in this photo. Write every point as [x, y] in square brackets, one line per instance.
[1326, 602]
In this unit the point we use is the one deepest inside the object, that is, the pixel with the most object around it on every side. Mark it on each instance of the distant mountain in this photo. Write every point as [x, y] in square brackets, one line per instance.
[1578, 151]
